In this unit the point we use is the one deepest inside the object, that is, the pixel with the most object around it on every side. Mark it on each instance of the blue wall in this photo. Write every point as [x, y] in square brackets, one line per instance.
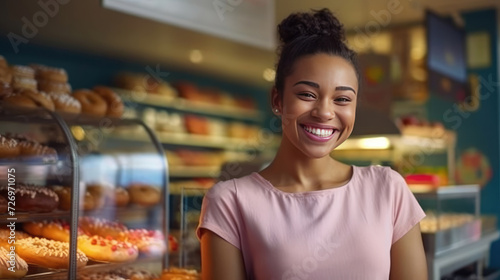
[479, 129]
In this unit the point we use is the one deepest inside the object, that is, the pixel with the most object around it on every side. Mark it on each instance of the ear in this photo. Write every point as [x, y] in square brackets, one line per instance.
[276, 101]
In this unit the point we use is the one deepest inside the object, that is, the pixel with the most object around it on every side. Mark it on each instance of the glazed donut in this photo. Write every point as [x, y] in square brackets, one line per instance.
[9, 148]
[103, 228]
[17, 100]
[119, 197]
[65, 103]
[64, 194]
[100, 192]
[43, 72]
[92, 103]
[31, 150]
[49, 86]
[102, 249]
[47, 253]
[149, 242]
[21, 71]
[144, 195]
[3, 205]
[40, 98]
[31, 198]
[114, 102]
[18, 265]
[175, 273]
[24, 83]
[57, 230]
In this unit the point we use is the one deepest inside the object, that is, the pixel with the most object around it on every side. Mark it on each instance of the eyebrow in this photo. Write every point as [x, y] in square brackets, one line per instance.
[315, 85]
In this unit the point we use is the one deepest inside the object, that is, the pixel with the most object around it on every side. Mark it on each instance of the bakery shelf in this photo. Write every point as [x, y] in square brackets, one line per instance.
[184, 105]
[21, 217]
[194, 140]
[194, 171]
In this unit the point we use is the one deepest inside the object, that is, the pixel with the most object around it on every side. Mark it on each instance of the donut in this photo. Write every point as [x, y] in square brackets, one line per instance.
[120, 197]
[58, 230]
[102, 249]
[135, 274]
[21, 71]
[9, 148]
[18, 266]
[49, 86]
[31, 198]
[47, 253]
[5, 75]
[5, 89]
[100, 192]
[175, 273]
[13, 236]
[103, 227]
[30, 150]
[144, 195]
[114, 102]
[92, 103]
[40, 98]
[3, 205]
[3, 62]
[30, 99]
[149, 242]
[65, 103]
[64, 194]
[43, 72]
[100, 276]
[24, 83]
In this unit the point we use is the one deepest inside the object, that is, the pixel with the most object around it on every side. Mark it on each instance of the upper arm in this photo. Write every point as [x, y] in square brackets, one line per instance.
[220, 260]
[408, 260]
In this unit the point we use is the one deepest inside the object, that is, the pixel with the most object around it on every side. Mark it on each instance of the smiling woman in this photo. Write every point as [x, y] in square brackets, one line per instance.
[306, 215]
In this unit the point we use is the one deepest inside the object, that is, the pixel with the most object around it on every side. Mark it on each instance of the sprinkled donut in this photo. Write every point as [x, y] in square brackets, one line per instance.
[175, 273]
[9, 148]
[22, 71]
[8, 237]
[149, 242]
[49, 86]
[29, 149]
[31, 198]
[135, 274]
[24, 83]
[43, 72]
[47, 253]
[102, 249]
[20, 267]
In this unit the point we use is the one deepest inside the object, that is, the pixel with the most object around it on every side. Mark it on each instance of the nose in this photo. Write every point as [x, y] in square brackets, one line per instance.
[323, 110]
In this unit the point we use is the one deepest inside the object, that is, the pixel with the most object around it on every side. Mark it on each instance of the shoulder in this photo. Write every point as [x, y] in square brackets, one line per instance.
[379, 174]
[230, 188]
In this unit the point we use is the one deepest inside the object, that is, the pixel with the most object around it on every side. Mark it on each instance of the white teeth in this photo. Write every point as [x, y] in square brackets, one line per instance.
[319, 132]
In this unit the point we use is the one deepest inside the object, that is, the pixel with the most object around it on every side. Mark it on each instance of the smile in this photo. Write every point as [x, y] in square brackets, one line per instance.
[319, 132]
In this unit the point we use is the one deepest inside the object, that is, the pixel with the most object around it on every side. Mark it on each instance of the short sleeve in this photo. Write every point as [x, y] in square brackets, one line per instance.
[406, 209]
[220, 214]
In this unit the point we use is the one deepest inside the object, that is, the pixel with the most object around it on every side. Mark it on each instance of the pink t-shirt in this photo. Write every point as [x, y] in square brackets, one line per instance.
[340, 233]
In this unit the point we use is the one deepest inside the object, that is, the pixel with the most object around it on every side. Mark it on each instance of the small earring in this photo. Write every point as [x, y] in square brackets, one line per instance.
[276, 110]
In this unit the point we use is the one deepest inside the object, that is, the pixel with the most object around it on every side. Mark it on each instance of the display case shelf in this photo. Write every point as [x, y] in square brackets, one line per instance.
[21, 217]
[188, 106]
[194, 140]
[195, 171]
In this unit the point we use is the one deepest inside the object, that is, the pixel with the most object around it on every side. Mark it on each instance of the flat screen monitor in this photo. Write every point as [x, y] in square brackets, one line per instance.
[446, 58]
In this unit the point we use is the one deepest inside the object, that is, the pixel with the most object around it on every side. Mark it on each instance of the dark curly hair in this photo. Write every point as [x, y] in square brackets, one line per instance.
[304, 34]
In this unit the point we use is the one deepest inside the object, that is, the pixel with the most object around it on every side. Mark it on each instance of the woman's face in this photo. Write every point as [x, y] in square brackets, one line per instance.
[319, 104]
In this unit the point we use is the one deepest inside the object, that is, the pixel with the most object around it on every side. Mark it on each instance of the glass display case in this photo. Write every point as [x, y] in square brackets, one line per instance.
[99, 202]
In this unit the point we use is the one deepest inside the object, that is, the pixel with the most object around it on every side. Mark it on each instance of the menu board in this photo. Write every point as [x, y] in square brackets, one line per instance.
[250, 22]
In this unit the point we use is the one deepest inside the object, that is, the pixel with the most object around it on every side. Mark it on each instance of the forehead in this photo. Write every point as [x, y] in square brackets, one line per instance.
[323, 68]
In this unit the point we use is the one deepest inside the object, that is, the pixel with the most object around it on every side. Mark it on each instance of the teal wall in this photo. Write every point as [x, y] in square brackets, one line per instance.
[479, 129]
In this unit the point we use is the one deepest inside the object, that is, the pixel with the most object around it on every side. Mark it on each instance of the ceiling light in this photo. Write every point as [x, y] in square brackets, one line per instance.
[269, 74]
[195, 56]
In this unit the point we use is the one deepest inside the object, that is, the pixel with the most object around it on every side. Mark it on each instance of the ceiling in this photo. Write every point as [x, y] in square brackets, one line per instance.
[84, 25]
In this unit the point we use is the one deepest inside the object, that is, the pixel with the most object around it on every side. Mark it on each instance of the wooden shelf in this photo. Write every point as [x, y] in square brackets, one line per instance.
[184, 105]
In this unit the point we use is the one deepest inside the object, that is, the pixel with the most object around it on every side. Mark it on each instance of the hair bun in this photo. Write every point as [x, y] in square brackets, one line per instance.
[321, 22]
